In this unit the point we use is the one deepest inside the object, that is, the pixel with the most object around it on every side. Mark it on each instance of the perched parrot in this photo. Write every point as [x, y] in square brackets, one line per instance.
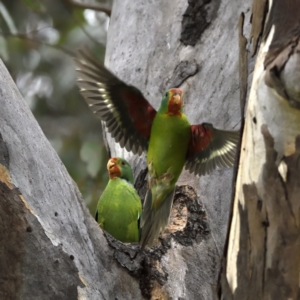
[166, 134]
[119, 207]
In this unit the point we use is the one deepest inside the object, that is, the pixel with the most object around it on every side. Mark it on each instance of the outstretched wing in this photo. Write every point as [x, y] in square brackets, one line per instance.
[210, 148]
[126, 113]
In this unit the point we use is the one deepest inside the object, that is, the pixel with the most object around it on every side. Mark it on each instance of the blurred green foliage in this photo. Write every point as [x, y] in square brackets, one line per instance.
[37, 41]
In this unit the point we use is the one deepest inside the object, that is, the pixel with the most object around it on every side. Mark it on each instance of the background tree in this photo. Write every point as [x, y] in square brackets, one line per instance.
[37, 42]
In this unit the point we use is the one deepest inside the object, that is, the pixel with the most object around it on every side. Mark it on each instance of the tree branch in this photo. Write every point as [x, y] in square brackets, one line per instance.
[98, 7]
[27, 38]
[54, 244]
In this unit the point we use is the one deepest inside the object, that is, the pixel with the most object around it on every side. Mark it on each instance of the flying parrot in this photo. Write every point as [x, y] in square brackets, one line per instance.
[170, 141]
[119, 207]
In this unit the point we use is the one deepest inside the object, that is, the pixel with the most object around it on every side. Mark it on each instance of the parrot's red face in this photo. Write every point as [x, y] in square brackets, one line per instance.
[113, 168]
[175, 102]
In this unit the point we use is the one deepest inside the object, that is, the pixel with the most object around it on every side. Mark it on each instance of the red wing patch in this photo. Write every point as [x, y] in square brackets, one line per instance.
[128, 116]
[200, 139]
[211, 148]
[140, 112]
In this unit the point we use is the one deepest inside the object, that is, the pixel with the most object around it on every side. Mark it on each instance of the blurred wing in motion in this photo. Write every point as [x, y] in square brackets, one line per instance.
[126, 113]
[210, 148]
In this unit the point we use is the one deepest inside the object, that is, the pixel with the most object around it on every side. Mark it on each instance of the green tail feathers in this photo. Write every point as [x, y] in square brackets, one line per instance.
[153, 221]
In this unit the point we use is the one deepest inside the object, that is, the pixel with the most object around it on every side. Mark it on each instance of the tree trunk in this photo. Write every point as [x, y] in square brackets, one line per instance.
[192, 45]
[263, 259]
[51, 248]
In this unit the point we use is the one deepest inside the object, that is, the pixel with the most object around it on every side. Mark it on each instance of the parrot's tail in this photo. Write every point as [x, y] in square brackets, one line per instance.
[153, 221]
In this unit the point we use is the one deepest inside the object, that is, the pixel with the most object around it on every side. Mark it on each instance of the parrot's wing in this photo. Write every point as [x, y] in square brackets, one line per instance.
[99, 219]
[210, 148]
[135, 210]
[126, 113]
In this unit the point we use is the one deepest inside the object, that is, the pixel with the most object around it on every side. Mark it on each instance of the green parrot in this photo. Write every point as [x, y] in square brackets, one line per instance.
[170, 141]
[119, 207]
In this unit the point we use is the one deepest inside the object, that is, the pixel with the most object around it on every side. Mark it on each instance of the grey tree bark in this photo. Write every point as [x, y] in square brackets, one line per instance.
[192, 45]
[51, 246]
[262, 258]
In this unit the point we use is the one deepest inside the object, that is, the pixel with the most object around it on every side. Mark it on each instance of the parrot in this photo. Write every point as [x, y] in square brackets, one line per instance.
[166, 136]
[119, 207]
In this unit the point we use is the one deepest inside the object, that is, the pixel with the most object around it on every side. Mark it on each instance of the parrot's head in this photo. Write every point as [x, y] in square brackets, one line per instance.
[172, 102]
[119, 167]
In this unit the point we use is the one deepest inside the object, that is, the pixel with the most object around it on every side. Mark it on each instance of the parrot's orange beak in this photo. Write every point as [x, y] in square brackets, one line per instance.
[112, 168]
[175, 102]
[110, 164]
[177, 98]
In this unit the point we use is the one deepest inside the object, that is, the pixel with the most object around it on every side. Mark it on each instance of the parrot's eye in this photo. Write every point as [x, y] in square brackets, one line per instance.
[167, 93]
[123, 163]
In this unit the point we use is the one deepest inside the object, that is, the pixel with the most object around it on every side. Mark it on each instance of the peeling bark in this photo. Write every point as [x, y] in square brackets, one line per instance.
[282, 60]
[262, 257]
[268, 260]
[259, 10]
[243, 66]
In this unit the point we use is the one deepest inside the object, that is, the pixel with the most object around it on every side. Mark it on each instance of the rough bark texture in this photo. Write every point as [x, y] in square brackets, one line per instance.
[282, 59]
[155, 45]
[268, 260]
[262, 259]
[50, 246]
[56, 250]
